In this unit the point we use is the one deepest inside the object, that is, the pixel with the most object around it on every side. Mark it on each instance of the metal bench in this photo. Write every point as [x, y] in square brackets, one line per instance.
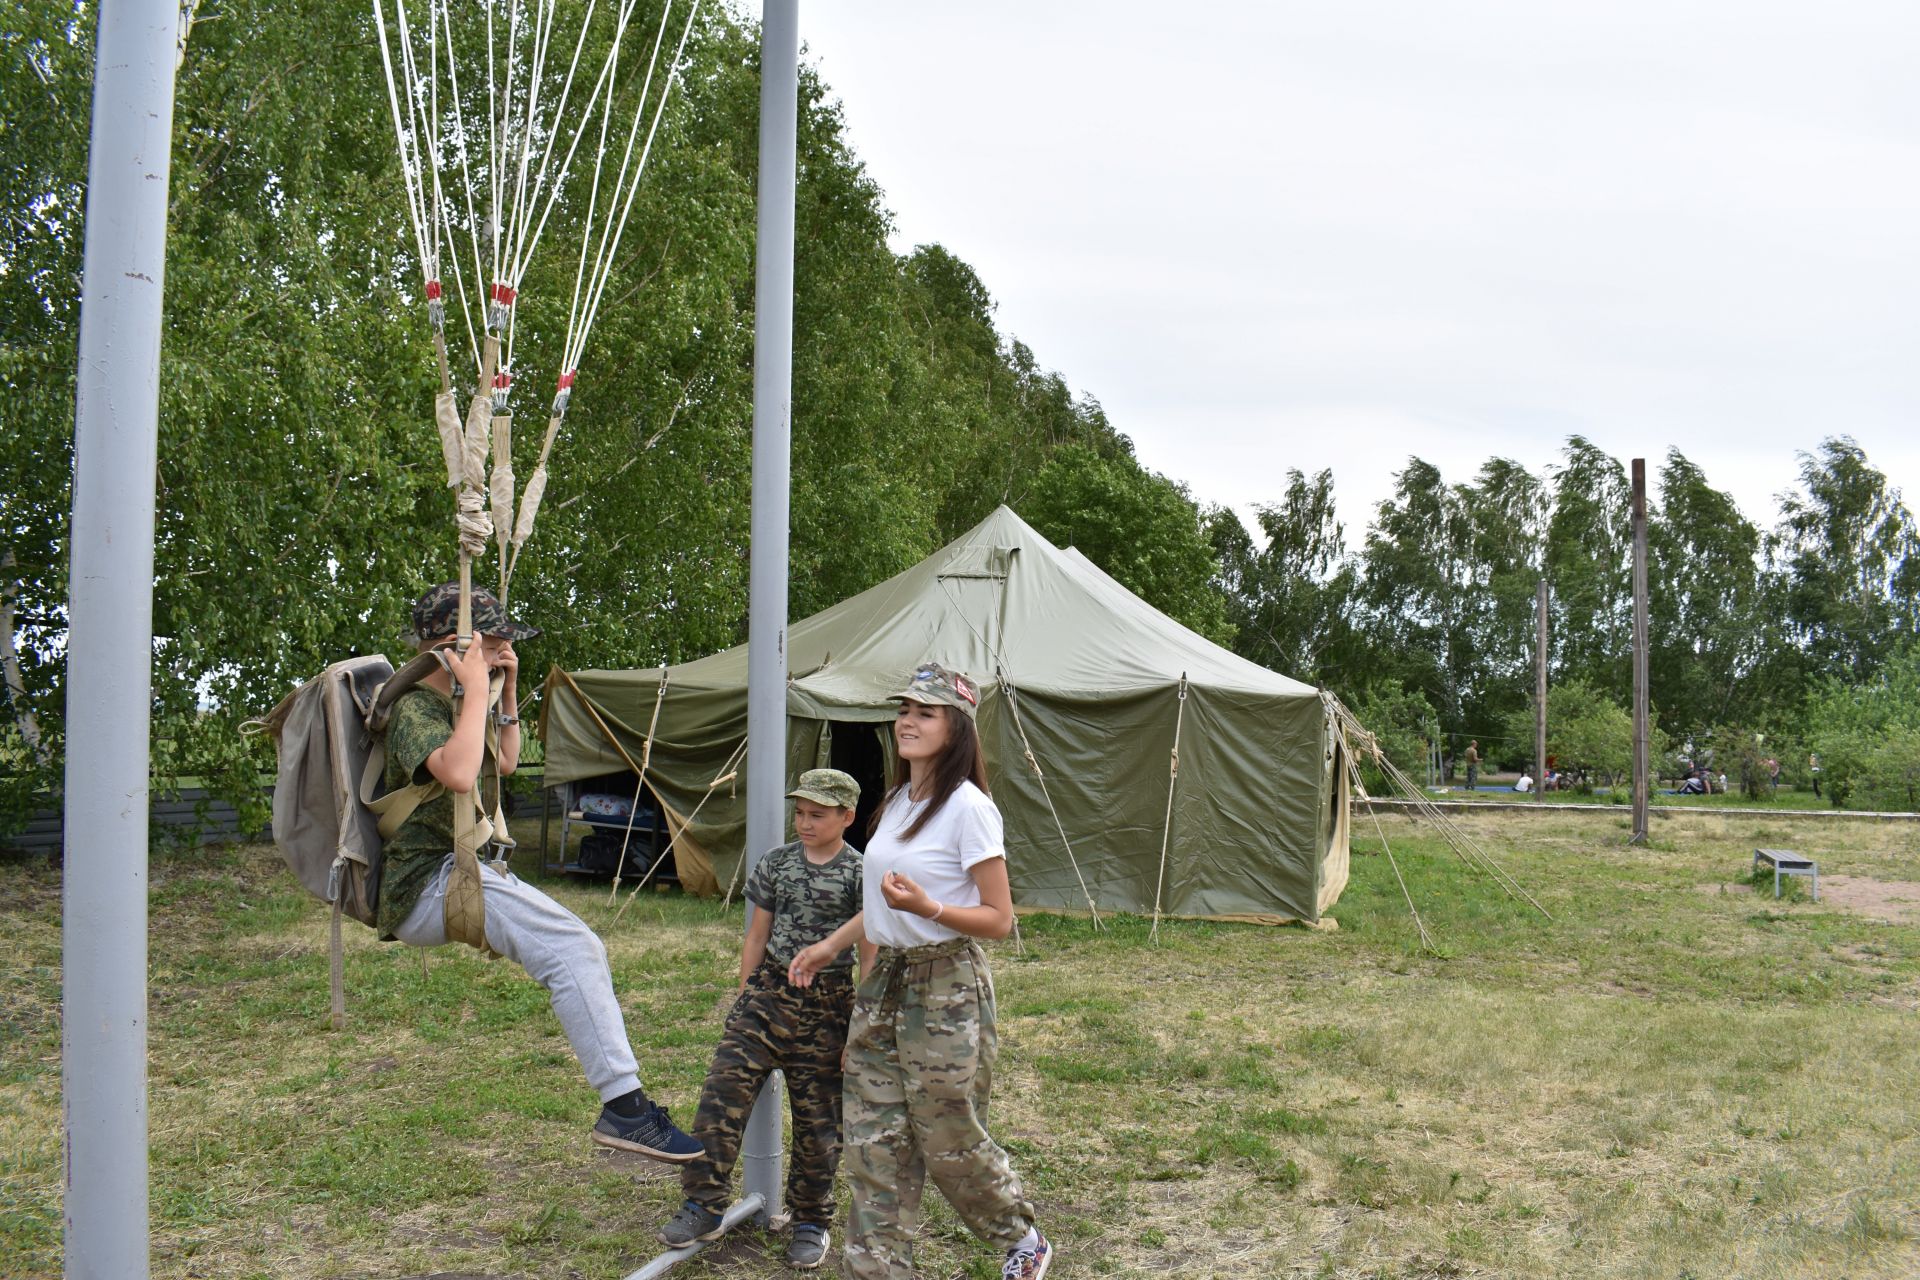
[1785, 862]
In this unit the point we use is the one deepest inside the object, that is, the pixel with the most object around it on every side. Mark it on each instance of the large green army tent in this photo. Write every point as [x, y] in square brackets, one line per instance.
[1084, 687]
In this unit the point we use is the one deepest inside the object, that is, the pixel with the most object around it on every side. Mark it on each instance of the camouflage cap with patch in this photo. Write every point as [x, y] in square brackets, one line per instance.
[829, 787]
[437, 614]
[933, 684]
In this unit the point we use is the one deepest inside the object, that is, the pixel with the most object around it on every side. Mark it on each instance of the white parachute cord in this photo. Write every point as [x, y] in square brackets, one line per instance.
[400, 136]
[605, 80]
[542, 36]
[433, 139]
[493, 153]
[659, 112]
[559, 113]
[466, 180]
[610, 72]
[446, 249]
[460, 285]
[420, 121]
[600, 254]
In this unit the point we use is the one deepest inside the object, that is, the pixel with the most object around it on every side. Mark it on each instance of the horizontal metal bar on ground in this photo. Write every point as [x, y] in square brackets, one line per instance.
[742, 1209]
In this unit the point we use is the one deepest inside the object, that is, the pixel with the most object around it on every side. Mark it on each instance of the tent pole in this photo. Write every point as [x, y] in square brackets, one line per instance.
[761, 1145]
[110, 643]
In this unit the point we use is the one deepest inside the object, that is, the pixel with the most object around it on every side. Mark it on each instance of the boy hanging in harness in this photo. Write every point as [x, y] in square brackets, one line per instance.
[428, 742]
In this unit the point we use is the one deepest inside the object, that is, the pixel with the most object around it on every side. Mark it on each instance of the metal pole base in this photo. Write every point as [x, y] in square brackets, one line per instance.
[742, 1209]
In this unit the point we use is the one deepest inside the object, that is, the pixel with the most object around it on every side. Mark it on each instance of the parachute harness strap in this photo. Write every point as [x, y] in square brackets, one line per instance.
[1166, 830]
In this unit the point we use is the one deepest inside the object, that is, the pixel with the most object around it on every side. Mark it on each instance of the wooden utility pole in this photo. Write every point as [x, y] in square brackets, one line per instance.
[1540, 691]
[1640, 761]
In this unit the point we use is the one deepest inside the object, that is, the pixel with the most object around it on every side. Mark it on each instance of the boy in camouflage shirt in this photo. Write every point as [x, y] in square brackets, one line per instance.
[427, 742]
[802, 892]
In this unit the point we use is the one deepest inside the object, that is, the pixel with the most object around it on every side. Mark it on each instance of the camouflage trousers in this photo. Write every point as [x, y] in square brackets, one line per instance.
[800, 1031]
[919, 1068]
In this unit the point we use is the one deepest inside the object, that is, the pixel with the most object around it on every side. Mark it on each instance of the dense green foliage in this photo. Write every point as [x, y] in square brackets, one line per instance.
[301, 503]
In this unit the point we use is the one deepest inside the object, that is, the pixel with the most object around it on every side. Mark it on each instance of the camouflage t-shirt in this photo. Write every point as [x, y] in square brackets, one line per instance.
[807, 902]
[421, 723]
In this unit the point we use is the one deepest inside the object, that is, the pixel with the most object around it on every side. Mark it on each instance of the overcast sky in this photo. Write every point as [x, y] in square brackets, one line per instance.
[1336, 234]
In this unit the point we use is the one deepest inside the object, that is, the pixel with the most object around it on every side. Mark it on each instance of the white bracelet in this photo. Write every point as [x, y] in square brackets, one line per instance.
[938, 907]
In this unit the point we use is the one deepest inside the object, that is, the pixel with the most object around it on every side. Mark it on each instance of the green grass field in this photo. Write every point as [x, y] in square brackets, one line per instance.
[1675, 1076]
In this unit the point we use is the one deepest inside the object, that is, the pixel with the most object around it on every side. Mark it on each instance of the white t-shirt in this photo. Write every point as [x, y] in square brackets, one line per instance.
[966, 831]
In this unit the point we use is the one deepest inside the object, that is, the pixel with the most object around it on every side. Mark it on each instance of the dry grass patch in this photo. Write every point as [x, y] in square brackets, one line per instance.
[1660, 1081]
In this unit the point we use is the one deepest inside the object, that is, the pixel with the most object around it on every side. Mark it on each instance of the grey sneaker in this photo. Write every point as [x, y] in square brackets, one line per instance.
[651, 1133]
[1025, 1263]
[808, 1247]
[689, 1224]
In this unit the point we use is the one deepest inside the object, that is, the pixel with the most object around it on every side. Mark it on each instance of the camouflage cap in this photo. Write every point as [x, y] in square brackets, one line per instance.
[829, 787]
[933, 684]
[437, 613]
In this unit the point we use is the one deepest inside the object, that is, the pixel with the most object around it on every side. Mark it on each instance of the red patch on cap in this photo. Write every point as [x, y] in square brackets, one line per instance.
[965, 690]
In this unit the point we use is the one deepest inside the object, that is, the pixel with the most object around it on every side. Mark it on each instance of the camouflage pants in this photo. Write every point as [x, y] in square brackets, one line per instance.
[919, 1068]
[800, 1031]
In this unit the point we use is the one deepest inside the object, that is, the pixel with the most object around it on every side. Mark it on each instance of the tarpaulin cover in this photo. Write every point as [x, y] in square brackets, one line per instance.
[1259, 816]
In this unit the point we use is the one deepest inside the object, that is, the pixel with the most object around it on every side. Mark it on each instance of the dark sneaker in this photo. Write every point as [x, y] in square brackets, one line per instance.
[808, 1247]
[690, 1224]
[651, 1133]
[1026, 1263]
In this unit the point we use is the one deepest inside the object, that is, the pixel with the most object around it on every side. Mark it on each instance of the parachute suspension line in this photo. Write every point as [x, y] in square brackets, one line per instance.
[422, 126]
[1166, 831]
[545, 169]
[590, 279]
[602, 255]
[639, 781]
[465, 138]
[403, 134]
[639, 169]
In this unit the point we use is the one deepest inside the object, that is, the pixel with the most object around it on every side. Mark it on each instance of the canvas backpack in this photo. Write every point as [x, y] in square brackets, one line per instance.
[330, 820]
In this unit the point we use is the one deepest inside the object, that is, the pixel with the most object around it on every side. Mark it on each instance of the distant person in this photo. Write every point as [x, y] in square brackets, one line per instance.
[1723, 784]
[1473, 765]
[1525, 782]
[1773, 776]
[1813, 771]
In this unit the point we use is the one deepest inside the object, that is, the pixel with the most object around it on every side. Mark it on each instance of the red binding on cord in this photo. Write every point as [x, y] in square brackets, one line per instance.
[503, 380]
[566, 379]
[503, 295]
[433, 291]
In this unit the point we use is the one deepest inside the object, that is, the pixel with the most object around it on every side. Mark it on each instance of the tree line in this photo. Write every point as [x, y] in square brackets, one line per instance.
[301, 503]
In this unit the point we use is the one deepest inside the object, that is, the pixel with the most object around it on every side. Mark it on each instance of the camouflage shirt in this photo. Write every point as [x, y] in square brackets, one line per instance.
[421, 723]
[807, 902]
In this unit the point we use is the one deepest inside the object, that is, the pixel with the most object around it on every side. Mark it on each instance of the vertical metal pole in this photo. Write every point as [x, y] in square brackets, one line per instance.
[760, 1154]
[1540, 691]
[110, 643]
[1641, 763]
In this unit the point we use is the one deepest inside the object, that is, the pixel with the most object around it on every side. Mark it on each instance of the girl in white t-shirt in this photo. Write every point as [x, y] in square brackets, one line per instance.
[921, 1046]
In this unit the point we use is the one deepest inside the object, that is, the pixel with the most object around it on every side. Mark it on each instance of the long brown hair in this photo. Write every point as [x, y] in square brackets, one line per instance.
[960, 761]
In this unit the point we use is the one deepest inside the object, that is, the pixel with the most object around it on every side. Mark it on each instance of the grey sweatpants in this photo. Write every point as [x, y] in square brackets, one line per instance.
[559, 952]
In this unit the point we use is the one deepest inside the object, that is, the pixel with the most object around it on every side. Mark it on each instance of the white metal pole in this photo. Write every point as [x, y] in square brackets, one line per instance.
[110, 643]
[761, 1147]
